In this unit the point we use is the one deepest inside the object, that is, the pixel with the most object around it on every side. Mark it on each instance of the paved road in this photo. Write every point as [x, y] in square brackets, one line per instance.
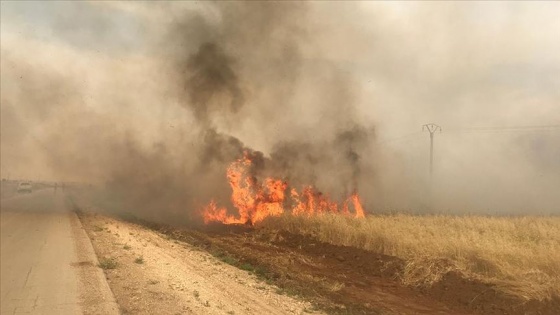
[47, 262]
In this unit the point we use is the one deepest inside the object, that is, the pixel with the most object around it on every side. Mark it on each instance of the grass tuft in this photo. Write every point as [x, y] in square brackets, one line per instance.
[247, 267]
[108, 263]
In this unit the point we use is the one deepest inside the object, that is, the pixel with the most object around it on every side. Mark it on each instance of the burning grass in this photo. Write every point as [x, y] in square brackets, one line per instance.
[256, 200]
[521, 255]
[518, 255]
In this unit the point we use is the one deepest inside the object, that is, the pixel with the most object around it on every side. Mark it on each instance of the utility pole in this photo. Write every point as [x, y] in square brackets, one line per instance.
[432, 128]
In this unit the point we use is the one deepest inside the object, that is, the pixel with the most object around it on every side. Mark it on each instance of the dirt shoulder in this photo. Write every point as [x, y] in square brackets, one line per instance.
[348, 280]
[338, 280]
[149, 273]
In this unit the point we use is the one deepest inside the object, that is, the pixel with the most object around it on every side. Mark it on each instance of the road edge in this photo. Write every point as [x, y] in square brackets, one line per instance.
[96, 296]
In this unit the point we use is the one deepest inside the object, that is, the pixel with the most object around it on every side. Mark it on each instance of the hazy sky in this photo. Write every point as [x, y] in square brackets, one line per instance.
[474, 68]
[431, 48]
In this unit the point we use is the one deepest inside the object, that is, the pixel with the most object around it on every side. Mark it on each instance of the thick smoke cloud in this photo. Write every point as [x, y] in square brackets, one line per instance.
[255, 51]
[310, 90]
[211, 75]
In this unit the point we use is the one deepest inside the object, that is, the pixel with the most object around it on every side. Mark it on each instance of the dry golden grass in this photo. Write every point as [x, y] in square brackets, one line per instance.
[519, 254]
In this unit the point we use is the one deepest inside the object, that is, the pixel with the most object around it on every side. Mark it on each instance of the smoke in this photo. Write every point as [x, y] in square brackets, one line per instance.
[339, 166]
[210, 75]
[159, 100]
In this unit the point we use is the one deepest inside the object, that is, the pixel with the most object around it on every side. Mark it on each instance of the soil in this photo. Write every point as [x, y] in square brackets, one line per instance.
[344, 279]
[149, 273]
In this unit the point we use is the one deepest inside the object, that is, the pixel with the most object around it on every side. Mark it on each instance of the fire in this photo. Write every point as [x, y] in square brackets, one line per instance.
[255, 201]
[312, 202]
[358, 206]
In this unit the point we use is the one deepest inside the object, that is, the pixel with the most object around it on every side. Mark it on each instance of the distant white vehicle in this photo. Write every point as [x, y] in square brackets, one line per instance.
[24, 187]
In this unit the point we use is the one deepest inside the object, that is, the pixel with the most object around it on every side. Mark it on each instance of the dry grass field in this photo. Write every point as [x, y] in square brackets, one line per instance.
[521, 255]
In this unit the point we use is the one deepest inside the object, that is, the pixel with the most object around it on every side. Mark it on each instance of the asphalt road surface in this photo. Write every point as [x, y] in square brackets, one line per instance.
[48, 265]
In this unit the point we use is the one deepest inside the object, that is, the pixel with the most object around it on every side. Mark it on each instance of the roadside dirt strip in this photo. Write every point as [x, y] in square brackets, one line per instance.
[152, 274]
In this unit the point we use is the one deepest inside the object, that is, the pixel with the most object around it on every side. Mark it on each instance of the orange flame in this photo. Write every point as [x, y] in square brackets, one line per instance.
[255, 201]
[360, 213]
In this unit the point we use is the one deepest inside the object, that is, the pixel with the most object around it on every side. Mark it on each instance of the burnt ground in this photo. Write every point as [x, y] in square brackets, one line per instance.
[348, 280]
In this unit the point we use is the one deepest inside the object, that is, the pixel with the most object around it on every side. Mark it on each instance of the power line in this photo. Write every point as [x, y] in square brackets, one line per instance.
[506, 129]
[500, 129]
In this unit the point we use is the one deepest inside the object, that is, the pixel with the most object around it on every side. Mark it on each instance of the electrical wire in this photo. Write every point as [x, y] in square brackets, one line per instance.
[505, 129]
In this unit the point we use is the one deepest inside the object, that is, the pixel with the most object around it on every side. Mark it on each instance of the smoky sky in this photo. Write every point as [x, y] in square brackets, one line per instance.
[154, 100]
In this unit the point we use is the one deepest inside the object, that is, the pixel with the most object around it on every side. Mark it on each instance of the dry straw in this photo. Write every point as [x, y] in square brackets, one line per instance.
[521, 255]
